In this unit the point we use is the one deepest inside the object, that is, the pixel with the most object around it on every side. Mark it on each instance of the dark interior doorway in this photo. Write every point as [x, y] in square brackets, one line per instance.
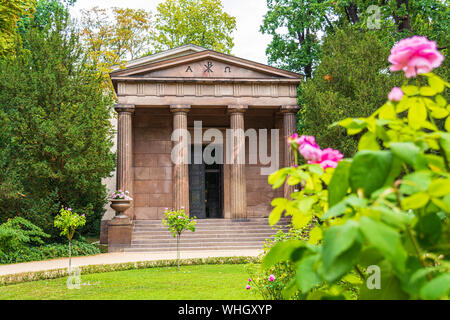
[205, 189]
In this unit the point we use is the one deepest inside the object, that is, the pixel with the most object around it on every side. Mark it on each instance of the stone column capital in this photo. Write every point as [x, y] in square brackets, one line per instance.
[289, 109]
[237, 108]
[124, 108]
[180, 108]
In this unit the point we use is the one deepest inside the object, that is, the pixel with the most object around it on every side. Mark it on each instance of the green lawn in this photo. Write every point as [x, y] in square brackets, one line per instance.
[205, 282]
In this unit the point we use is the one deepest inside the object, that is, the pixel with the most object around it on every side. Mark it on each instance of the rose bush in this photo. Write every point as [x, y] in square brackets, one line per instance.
[387, 207]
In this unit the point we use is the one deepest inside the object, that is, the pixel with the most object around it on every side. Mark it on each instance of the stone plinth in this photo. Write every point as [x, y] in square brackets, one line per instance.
[119, 234]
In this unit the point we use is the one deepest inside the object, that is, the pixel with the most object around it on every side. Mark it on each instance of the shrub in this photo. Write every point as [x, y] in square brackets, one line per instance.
[48, 251]
[283, 272]
[386, 208]
[17, 233]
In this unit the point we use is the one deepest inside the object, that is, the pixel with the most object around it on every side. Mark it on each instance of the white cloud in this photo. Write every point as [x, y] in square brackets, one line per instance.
[249, 42]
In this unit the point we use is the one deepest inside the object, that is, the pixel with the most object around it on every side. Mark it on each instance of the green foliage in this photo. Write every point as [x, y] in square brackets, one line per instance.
[22, 241]
[18, 233]
[297, 49]
[10, 12]
[297, 26]
[284, 272]
[200, 22]
[56, 135]
[177, 221]
[47, 251]
[390, 209]
[43, 14]
[68, 221]
[350, 81]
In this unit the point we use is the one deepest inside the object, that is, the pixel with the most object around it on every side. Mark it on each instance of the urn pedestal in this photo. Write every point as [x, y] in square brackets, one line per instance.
[120, 227]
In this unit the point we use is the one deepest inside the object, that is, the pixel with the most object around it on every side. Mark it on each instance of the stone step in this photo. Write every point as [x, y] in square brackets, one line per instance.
[210, 234]
[194, 243]
[200, 240]
[132, 249]
[210, 222]
[213, 227]
[191, 235]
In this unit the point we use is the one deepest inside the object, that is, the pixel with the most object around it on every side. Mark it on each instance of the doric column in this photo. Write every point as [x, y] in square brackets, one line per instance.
[180, 158]
[289, 128]
[125, 149]
[238, 187]
[120, 228]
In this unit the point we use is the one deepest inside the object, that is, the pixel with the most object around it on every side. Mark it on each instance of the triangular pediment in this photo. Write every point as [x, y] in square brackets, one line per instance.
[204, 64]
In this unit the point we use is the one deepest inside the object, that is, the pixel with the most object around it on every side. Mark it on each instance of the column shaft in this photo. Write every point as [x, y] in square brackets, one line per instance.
[238, 183]
[125, 150]
[181, 165]
[289, 128]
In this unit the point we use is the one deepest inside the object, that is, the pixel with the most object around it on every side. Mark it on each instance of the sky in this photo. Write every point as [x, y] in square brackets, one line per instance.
[249, 43]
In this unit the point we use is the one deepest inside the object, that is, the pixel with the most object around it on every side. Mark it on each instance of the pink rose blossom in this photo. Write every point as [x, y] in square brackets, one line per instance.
[247, 287]
[271, 278]
[310, 152]
[396, 94]
[309, 149]
[308, 140]
[294, 139]
[329, 158]
[415, 55]
[249, 280]
[328, 164]
[331, 154]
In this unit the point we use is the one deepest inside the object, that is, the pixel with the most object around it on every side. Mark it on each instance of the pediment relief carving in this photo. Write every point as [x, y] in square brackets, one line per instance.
[205, 64]
[207, 68]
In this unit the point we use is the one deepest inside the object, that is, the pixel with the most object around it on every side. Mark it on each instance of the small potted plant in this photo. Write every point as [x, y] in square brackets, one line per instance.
[121, 202]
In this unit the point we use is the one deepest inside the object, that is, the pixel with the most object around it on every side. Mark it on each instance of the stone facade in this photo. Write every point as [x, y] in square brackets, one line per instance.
[157, 95]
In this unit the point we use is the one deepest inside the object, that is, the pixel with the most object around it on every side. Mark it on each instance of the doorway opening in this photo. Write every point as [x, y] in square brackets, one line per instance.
[205, 189]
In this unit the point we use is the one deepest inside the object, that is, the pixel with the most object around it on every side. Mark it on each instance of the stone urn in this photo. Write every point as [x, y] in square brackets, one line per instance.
[120, 206]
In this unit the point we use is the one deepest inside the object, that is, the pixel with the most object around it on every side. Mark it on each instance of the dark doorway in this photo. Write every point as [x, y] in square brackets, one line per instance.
[205, 189]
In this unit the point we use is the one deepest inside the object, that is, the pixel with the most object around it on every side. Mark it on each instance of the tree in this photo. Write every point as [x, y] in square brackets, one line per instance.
[297, 25]
[200, 22]
[10, 12]
[55, 122]
[383, 213]
[113, 41]
[351, 80]
[297, 47]
[68, 221]
[177, 222]
[42, 16]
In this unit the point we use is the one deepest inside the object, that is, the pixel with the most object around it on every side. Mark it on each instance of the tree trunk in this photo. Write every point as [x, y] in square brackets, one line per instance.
[178, 251]
[352, 13]
[403, 22]
[70, 257]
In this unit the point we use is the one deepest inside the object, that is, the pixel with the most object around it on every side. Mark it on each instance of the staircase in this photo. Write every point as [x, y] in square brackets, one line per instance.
[210, 234]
